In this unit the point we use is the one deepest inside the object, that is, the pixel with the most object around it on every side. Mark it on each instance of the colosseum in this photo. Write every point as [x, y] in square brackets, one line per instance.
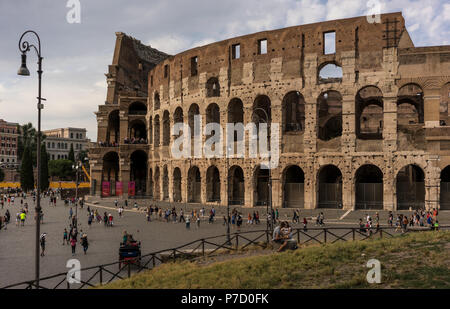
[363, 114]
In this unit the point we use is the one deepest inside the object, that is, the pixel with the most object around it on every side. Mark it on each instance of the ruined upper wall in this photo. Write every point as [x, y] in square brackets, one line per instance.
[132, 62]
[366, 39]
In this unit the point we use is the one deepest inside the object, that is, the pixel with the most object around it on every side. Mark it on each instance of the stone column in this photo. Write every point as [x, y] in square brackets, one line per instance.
[311, 126]
[433, 184]
[432, 115]
[123, 126]
[389, 185]
[390, 124]
[348, 142]
[124, 175]
[310, 185]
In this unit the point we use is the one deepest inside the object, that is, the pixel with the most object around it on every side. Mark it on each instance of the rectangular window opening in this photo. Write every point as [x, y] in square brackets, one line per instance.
[194, 65]
[262, 47]
[329, 46]
[236, 51]
[166, 71]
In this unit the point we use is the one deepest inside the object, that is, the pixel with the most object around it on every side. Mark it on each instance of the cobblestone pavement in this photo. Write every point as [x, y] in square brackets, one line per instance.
[17, 244]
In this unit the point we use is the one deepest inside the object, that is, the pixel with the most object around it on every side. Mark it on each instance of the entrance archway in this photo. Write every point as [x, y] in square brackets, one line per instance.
[138, 171]
[236, 186]
[194, 185]
[445, 189]
[411, 188]
[213, 184]
[330, 187]
[294, 187]
[369, 187]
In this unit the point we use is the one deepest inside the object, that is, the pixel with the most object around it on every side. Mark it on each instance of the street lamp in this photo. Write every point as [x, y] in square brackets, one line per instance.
[24, 47]
[269, 224]
[77, 167]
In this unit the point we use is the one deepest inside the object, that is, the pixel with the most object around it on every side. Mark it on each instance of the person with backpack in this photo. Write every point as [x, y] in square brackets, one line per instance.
[84, 242]
[42, 242]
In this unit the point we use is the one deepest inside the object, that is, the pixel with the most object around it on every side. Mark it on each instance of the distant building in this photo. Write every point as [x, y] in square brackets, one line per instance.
[58, 142]
[8, 144]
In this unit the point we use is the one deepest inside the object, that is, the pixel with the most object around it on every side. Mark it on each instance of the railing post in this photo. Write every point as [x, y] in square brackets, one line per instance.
[203, 247]
[237, 241]
[325, 235]
[129, 270]
[154, 262]
[381, 234]
[298, 236]
[101, 275]
[354, 234]
[174, 255]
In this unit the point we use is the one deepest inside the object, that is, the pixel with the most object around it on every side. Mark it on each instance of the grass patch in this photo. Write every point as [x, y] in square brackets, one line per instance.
[416, 260]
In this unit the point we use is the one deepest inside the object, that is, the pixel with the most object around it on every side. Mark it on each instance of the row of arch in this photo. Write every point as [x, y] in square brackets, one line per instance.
[368, 184]
[369, 107]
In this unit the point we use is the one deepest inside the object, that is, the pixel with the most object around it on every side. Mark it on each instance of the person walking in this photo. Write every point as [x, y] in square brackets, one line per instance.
[84, 242]
[42, 242]
[65, 237]
[73, 244]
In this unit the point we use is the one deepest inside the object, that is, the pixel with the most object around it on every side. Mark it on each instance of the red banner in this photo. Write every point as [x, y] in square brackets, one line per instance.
[131, 188]
[106, 189]
[119, 188]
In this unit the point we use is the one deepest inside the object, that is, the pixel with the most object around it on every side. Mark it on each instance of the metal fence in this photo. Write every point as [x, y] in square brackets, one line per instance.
[410, 195]
[369, 196]
[206, 247]
[330, 195]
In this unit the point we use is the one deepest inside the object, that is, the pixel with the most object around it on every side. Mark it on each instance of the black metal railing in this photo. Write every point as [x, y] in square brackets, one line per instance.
[206, 247]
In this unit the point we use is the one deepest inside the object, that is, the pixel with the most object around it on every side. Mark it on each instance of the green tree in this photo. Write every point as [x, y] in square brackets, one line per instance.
[2, 175]
[71, 154]
[26, 172]
[61, 169]
[28, 138]
[44, 168]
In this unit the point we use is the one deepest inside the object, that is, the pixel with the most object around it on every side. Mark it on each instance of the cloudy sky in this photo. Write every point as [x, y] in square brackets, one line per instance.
[76, 55]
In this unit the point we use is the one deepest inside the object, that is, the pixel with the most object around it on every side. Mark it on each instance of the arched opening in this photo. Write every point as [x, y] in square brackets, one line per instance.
[293, 112]
[445, 189]
[194, 110]
[138, 172]
[157, 132]
[178, 116]
[151, 184]
[166, 128]
[137, 108]
[236, 186]
[177, 197]
[369, 113]
[410, 118]
[261, 187]
[411, 188]
[213, 184]
[369, 187]
[212, 87]
[294, 187]
[110, 174]
[157, 193]
[156, 102]
[330, 73]
[213, 113]
[137, 131]
[110, 167]
[194, 185]
[330, 187]
[330, 115]
[235, 116]
[165, 183]
[262, 110]
[113, 133]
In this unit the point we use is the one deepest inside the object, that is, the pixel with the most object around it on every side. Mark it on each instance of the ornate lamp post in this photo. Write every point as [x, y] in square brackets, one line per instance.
[24, 47]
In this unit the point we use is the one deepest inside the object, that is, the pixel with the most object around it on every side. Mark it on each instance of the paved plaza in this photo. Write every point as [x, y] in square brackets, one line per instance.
[18, 243]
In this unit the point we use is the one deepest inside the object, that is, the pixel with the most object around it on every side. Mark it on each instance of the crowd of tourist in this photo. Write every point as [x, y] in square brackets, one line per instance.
[135, 141]
[108, 144]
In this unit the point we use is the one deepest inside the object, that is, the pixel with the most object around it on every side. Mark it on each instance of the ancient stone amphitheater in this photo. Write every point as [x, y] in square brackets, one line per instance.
[364, 119]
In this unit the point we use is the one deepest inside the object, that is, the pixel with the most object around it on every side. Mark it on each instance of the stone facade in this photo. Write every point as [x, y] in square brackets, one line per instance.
[8, 144]
[59, 141]
[364, 126]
